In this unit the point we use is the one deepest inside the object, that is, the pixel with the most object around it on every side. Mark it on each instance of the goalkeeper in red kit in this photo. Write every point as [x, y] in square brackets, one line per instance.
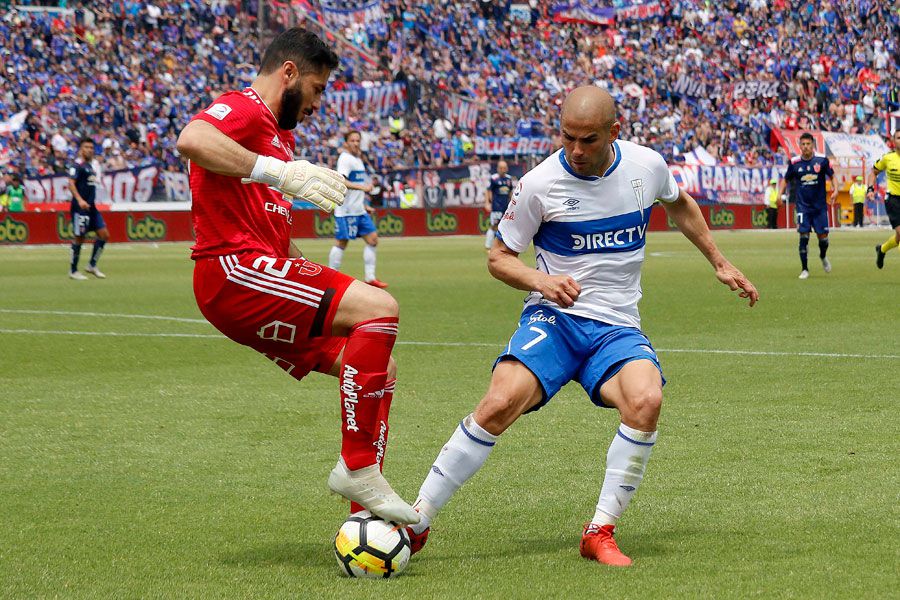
[253, 284]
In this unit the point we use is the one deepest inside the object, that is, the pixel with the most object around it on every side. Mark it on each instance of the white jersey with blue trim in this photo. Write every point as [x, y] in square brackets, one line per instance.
[591, 228]
[353, 169]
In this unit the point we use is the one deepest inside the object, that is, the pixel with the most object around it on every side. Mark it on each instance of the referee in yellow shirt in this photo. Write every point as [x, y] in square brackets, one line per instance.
[890, 163]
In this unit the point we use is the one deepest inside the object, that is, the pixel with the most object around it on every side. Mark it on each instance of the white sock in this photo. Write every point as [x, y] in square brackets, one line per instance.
[626, 462]
[459, 459]
[335, 257]
[489, 238]
[369, 262]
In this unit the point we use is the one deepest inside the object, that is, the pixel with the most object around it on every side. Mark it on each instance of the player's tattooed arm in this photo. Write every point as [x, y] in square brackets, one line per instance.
[208, 147]
[504, 264]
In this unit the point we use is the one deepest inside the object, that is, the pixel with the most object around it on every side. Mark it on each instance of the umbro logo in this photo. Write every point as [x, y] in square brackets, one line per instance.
[572, 203]
[436, 471]
[628, 488]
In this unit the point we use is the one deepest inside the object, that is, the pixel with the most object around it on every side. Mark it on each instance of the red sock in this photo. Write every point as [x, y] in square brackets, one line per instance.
[381, 432]
[362, 381]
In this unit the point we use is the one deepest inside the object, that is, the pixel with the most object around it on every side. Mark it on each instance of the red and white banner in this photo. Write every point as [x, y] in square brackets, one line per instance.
[464, 115]
[380, 99]
[789, 139]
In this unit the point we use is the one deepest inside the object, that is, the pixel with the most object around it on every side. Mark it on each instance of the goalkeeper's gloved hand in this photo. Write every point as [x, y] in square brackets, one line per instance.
[300, 179]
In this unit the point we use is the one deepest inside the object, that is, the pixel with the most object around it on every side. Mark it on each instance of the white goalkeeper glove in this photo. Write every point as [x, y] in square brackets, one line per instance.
[300, 179]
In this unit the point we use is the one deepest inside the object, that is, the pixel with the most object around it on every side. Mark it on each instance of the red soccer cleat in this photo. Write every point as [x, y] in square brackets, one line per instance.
[417, 540]
[376, 283]
[598, 543]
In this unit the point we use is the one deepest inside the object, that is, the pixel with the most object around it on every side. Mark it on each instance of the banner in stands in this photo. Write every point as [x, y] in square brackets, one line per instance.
[128, 185]
[513, 146]
[340, 13]
[789, 139]
[582, 12]
[463, 114]
[380, 99]
[447, 186]
[639, 12]
[725, 184]
[869, 148]
[687, 85]
[175, 226]
[891, 123]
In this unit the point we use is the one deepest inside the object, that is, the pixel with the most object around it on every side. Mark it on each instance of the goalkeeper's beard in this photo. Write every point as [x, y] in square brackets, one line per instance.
[291, 101]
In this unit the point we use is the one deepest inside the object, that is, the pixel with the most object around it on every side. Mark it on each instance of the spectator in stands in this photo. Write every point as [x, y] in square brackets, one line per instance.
[117, 69]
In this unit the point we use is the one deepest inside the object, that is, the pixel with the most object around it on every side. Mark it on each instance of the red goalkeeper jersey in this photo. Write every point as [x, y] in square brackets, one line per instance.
[230, 217]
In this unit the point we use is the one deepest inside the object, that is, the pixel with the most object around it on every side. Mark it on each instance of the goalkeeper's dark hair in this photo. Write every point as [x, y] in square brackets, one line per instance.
[807, 136]
[303, 48]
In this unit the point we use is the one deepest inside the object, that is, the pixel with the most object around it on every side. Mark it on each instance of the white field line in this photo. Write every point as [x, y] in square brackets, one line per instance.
[399, 342]
[71, 313]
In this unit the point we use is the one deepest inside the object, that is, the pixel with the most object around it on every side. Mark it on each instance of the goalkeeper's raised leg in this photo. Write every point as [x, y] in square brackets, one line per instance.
[253, 283]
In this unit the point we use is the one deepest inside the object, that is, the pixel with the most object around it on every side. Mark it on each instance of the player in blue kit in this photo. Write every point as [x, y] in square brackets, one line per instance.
[586, 209]
[496, 199]
[809, 172]
[353, 219]
[83, 181]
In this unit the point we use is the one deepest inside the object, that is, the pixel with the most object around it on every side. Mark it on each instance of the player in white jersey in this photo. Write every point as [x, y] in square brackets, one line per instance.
[354, 218]
[586, 209]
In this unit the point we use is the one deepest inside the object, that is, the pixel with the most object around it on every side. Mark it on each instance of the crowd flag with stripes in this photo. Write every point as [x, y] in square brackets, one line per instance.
[381, 100]
[464, 115]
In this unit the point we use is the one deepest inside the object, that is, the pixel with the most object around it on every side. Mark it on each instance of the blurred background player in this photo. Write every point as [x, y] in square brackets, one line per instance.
[809, 172]
[84, 178]
[354, 218]
[772, 202]
[253, 284]
[496, 199]
[582, 322]
[858, 195]
[890, 164]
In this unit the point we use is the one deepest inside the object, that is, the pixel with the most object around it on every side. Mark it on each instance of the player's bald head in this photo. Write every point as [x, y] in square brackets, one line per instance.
[588, 127]
[589, 104]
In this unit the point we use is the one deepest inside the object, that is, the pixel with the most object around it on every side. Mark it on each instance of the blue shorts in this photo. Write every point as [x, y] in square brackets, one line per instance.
[85, 221]
[812, 219]
[350, 228]
[558, 347]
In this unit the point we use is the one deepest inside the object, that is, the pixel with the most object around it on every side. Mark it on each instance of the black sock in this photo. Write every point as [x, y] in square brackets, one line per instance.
[76, 254]
[804, 242]
[823, 247]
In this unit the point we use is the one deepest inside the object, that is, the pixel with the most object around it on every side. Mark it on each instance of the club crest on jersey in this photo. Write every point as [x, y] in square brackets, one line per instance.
[638, 186]
[817, 167]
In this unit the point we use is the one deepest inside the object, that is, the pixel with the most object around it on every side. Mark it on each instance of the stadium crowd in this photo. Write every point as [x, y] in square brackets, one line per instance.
[130, 74]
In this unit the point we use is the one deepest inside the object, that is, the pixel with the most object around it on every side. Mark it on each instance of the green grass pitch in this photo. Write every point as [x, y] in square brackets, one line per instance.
[156, 459]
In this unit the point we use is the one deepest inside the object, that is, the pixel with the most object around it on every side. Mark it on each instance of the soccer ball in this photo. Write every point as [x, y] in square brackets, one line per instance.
[367, 546]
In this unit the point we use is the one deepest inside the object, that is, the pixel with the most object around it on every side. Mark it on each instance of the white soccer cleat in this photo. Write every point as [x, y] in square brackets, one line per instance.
[95, 272]
[368, 487]
[804, 274]
[826, 264]
[77, 276]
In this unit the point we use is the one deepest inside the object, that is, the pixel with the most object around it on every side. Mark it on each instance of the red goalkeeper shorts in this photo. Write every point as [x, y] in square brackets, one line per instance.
[281, 307]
